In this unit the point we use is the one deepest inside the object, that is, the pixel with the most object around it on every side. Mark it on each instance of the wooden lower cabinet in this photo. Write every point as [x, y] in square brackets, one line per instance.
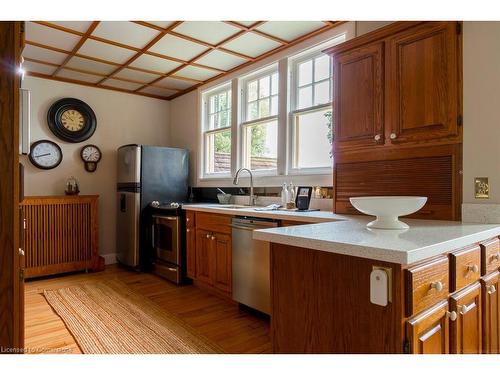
[465, 331]
[428, 332]
[490, 285]
[191, 252]
[222, 261]
[203, 256]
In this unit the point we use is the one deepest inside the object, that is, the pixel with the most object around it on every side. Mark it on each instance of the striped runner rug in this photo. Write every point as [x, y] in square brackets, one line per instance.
[109, 318]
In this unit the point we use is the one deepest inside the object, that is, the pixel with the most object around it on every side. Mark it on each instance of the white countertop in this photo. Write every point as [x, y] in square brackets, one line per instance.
[424, 239]
[308, 217]
[348, 234]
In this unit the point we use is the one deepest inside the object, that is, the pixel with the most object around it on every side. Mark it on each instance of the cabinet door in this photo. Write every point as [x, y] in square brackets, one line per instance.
[204, 257]
[465, 331]
[191, 252]
[222, 262]
[358, 97]
[422, 96]
[491, 313]
[427, 332]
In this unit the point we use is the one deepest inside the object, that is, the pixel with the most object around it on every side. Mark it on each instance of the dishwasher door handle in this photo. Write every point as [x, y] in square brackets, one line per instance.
[243, 227]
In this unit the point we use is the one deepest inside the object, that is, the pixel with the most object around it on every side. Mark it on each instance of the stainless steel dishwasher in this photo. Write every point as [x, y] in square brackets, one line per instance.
[251, 272]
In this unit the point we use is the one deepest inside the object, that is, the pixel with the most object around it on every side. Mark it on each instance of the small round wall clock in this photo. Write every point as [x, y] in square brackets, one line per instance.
[91, 155]
[71, 120]
[45, 154]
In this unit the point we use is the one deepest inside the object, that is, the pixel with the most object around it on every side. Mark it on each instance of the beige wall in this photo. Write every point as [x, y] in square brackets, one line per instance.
[121, 119]
[481, 72]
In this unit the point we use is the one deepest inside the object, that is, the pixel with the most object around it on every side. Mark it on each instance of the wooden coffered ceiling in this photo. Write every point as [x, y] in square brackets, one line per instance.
[160, 59]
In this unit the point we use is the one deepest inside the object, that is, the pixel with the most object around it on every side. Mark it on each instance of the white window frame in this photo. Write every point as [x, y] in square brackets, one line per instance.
[294, 98]
[205, 133]
[267, 71]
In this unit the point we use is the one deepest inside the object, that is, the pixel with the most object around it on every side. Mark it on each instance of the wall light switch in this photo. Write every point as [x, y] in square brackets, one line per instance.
[481, 188]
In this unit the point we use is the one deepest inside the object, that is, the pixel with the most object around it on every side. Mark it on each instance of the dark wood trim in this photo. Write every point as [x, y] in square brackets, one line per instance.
[10, 298]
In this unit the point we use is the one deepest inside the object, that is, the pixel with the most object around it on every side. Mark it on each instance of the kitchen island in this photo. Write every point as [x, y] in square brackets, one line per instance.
[441, 291]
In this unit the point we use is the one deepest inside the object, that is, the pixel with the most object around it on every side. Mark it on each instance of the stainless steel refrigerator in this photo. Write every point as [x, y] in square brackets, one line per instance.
[145, 174]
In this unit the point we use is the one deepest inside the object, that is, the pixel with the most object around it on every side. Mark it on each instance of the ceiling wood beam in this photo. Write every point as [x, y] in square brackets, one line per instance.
[82, 40]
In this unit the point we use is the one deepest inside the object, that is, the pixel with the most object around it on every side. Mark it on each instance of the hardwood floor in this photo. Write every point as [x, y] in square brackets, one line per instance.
[219, 320]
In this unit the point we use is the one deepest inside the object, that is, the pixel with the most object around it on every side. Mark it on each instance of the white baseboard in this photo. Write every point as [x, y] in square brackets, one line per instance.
[109, 258]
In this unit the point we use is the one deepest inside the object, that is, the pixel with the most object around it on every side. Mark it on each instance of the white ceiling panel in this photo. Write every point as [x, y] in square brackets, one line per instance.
[71, 74]
[196, 73]
[211, 32]
[136, 75]
[251, 44]
[90, 65]
[105, 51]
[81, 26]
[221, 60]
[290, 30]
[154, 63]
[158, 91]
[176, 47]
[121, 84]
[174, 83]
[43, 54]
[30, 66]
[246, 23]
[51, 37]
[125, 32]
[163, 24]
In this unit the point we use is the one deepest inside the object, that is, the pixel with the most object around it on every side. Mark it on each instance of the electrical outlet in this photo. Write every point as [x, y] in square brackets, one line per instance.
[481, 188]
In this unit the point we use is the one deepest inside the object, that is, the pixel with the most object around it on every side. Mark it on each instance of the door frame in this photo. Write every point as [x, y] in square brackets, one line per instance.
[11, 297]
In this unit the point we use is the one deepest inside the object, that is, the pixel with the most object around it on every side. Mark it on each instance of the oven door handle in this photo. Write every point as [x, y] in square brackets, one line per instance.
[153, 244]
[171, 218]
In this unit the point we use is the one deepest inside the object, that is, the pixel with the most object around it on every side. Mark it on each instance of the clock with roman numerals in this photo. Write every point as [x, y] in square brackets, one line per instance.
[72, 120]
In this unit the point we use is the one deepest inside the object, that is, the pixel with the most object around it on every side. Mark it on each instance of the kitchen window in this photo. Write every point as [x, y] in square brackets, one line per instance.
[217, 132]
[259, 127]
[311, 115]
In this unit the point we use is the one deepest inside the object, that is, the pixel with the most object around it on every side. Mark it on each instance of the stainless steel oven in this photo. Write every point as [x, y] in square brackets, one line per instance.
[166, 242]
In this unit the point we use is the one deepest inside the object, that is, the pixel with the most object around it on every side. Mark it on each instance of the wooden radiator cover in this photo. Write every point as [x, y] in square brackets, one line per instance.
[433, 177]
[61, 234]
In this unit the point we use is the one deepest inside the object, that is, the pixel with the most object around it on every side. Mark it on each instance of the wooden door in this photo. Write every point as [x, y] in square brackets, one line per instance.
[428, 332]
[465, 331]
[491, 313]
[422, 92]
[222, 262]
[204, 257]
[358, 97]
[191, 252]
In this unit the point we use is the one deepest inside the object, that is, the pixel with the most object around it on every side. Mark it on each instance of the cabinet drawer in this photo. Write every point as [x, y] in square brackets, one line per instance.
[190, 219]
[465, 267]
[490, 256]
[426, 284]
[213, 222]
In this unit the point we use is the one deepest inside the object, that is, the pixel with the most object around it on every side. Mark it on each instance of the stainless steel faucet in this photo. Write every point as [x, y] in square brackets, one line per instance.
[251, 200]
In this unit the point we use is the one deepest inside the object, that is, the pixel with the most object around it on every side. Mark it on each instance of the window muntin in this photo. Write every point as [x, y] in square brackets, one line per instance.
[217, 133]
[261, 97]
[313, 82]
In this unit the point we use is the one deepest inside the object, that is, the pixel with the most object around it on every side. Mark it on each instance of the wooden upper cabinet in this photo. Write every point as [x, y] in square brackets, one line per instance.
[491, 313]
[427, 332]
[422, 86]
[222, 261]
[358, 97]
[465, 331]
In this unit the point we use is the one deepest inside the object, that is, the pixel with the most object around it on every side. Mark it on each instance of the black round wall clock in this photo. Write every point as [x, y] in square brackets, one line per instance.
[45, 154]
[71, 120]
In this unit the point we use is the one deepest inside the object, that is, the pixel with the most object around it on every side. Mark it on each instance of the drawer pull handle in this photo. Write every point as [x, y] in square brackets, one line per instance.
[378, 137]
[188, 230]
[492, 289]
[464, 309]
[451, 315]
[208, 235]
[438, 285]
[393, 136]
[187, 220]
[213, 238]
[473, 268]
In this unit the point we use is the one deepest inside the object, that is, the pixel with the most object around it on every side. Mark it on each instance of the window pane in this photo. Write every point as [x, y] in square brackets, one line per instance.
[305, 73]
[274, 105]
[252, 91]
[212, 105]
[322, 93]
[274, 84]
[211, 122]
[218, 156]
[305, 97]
[223, 119]
[321, 68]
[312, 144]
[222, 101]
[264, 87]
[261, 146]
[264, 108]
[252, 111]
